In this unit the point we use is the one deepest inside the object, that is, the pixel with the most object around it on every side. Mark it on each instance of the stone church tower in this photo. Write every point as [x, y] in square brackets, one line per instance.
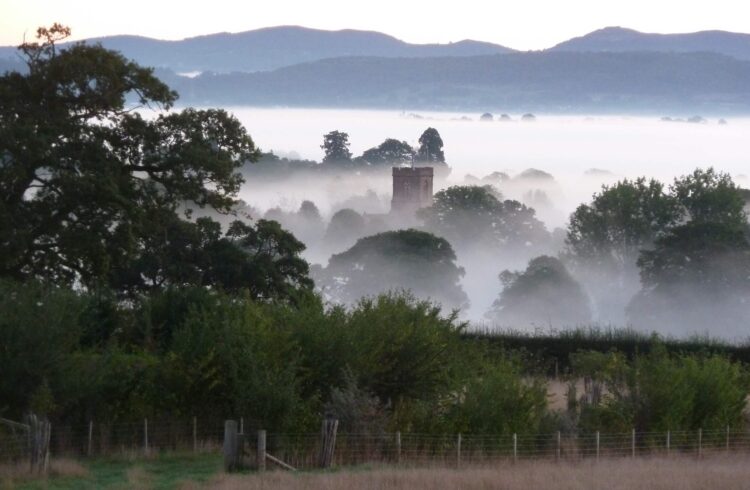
[412, 189]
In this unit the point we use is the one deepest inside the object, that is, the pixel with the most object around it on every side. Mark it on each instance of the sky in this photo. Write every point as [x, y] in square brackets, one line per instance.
[519, 24]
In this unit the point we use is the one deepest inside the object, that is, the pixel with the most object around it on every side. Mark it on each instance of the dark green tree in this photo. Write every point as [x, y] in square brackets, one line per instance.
[336, 147]
[605, 237]
[262, 259]
[544, 294]
[404, 259]
[389, 152]
[620, 221]
[695, 279]
[477, 216]
[710, 196]
[430, 147]
[81, 172]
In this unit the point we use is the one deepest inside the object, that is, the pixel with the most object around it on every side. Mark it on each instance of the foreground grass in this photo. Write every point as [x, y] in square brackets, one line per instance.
[174, 471]
[189, 472]
[617, 474]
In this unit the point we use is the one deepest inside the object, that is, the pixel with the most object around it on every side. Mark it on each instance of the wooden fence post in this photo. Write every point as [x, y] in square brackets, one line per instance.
[700, 442]
[231, 446]
[597, 445]
[398, 447]
[39, 437]
[727, 441]
[328, 432]
[145, 436]
[559, 445]
[89, 446]
[632, 443]
[669, 440]
[261, 450]
[458, 450]
[195, 434]
[242, 425]
[515, 447]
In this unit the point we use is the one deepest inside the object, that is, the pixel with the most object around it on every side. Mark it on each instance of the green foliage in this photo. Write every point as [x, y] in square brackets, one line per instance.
[619, 222]
[39, 328]
[85, 178]
[430, 148]
[708, 196]
[336, 147]
[477, 216]
[389, 152]
[545, 293]
[500, 400]
[407, 259]
[659, 392]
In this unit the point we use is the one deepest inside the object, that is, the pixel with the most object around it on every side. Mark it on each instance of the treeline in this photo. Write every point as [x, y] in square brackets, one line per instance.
[389, 363]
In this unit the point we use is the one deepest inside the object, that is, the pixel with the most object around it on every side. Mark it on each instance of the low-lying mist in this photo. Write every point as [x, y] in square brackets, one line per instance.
[552, 165]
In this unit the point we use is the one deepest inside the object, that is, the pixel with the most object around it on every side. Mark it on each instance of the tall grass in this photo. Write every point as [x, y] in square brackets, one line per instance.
[618, 474]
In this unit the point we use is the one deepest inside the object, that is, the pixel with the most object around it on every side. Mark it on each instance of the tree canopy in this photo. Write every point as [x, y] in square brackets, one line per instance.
[389, 152]
[477, 216]
[404, 259]
[430, 147]
[336, 147]
[544, 294]
[91, 189]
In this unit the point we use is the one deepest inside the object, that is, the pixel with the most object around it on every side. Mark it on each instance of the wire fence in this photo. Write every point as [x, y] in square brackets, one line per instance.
[302, 451]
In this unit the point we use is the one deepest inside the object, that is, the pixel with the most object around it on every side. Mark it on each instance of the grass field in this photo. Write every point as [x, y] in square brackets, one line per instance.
[199, 472]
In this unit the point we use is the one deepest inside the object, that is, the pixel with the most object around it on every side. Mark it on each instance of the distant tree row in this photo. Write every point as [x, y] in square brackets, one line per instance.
[390, 152]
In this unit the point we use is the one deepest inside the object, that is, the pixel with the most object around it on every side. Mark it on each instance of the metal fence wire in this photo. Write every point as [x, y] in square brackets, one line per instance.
[302, 451]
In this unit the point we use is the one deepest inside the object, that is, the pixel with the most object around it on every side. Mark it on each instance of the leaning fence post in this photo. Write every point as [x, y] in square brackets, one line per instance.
[398, 447]
[632, 443]
[597, 445]
[145, 436]
[195, 434]
[515, 447]
[700, 442]
[90, 438]
[261, 450]
[559, 443]
[458, 450]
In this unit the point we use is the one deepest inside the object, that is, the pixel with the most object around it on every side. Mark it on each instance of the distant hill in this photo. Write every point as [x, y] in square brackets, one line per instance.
[538, 81]
[275, 47]
[618, 39]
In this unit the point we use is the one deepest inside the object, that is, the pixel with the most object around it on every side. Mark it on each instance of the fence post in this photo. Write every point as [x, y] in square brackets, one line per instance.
[242, 425]
[559, 443]
[261, 450]
[669, 437]
[230, 447]
[398, 447]
[515, 447]
[39, 437]
[145, 436]
[727, 443]
[632, 443]
[89, 448]
[458, 450]
[328, 429]
[597, 445]
[195, 434]
[700, 442]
